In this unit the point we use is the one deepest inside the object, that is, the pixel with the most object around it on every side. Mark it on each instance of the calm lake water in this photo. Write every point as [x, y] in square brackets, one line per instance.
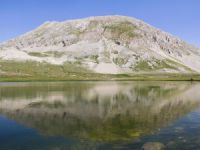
[99, 115]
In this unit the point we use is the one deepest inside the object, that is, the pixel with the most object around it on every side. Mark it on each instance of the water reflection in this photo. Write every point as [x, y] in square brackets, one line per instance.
[98, 111]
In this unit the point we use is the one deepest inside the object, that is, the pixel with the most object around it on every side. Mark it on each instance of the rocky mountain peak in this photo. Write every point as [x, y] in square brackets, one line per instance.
[106, 44]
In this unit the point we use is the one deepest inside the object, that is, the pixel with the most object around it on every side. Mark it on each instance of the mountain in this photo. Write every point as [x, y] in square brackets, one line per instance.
[106, 45]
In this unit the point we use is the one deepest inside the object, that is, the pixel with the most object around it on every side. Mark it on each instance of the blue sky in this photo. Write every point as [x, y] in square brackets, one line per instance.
[179, 17]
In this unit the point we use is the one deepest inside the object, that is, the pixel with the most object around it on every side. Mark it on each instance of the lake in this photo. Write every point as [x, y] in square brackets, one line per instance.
[99, 115]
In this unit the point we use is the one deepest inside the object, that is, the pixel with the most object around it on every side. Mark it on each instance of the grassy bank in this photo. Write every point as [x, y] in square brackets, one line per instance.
[32, 71]
[104, 77]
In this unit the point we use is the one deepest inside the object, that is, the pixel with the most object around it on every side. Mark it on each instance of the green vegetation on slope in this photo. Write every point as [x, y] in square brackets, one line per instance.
[55, 54]
[43, 71]
[158, 65]
[37, 54]
[95, 58]
[33, 71]
[123, 31]
[120, 61]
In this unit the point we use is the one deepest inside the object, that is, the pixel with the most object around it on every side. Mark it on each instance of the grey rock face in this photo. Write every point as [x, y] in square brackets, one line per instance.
[109, 44]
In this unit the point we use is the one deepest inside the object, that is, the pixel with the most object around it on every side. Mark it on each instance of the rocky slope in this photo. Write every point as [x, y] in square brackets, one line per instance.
[109, 44]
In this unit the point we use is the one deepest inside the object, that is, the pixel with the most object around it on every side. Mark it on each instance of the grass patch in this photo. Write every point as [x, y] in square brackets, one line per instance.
[179, 65]
[158, 65]
[120, 61]
[95, 58]
[37, 54]
[55, 54]
[34, 71]
[142, 65]
[124, 30]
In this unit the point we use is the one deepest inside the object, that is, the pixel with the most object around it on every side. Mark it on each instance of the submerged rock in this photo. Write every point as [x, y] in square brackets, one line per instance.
[153, 146]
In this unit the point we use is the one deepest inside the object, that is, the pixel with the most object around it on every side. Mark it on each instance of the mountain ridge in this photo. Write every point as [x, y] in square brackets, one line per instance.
[103, 44]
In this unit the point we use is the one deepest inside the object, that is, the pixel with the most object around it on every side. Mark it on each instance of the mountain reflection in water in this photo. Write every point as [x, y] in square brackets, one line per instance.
[98, 111]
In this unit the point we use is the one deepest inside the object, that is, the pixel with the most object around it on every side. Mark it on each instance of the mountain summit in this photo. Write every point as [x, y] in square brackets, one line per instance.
[108, 45]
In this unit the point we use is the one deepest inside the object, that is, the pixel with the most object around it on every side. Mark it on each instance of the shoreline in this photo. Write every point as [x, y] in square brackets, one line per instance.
[104, 77]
